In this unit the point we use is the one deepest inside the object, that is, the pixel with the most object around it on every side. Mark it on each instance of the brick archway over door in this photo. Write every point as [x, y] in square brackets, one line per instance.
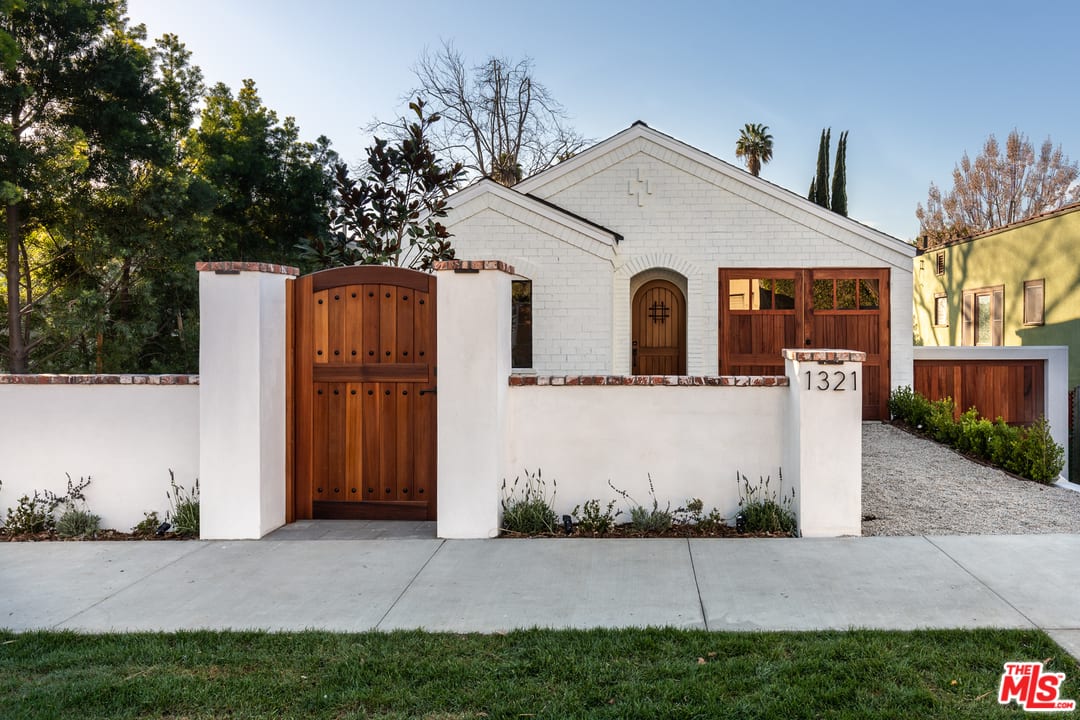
[364, 418]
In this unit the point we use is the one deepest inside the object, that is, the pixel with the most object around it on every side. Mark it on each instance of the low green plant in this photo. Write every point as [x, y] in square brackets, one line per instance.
[908, 406]
[1036, 455]
[31, 515]
[148, 525]
[77, 522]
[762, 510]
[693, 513]
[644, 519]
[527, 509]
[941, 424]
[183, 507]
[589, 518]
[1001, 444]
[974, 434]
[36, 513]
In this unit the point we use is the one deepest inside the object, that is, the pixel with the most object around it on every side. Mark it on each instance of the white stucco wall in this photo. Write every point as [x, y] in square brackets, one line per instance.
[691, 440]
[242, 411]
[695, 217]
[125, 437]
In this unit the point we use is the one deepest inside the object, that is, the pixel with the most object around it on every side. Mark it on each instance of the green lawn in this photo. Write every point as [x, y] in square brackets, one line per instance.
[542, 674]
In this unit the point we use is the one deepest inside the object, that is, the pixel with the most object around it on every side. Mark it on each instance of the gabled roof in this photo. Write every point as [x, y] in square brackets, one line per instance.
[639, 130]
[537, 205]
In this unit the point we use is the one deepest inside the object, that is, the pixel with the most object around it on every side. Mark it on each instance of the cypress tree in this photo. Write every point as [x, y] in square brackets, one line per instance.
[813, 190]
[839, 181]
[822, 179]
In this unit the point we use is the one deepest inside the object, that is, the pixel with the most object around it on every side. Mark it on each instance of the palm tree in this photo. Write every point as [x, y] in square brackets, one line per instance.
[754, 144]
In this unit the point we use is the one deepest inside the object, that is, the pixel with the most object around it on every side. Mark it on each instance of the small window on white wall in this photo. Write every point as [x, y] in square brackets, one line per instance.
[521, 324]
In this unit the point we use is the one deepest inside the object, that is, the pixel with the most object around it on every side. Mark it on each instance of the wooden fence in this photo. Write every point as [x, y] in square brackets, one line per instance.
[1011, 389]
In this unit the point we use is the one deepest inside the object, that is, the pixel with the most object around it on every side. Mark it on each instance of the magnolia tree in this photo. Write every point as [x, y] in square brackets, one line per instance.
[390, 215]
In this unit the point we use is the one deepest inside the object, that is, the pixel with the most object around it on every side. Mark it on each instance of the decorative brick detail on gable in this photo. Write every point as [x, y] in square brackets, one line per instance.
[474, 265]
[825, 355]
[99, 379]
[232, 267]
[652, 380]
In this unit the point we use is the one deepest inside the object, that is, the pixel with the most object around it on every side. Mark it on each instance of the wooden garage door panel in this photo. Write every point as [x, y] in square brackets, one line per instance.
[839, 308]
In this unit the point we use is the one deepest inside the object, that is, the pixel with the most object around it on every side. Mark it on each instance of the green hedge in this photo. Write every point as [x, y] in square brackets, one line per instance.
[1029, 451]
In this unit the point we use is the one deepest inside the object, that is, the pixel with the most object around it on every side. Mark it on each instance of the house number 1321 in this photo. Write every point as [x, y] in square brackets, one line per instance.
[835, 380]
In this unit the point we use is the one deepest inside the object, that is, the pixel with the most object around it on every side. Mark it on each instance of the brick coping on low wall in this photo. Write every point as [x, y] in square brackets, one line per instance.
[229, 267]
[474, 265]
[99, 379]
[652, 380]
[825, 355]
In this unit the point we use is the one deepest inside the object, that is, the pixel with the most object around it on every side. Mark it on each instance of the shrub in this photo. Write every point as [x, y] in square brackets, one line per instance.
[645, 519]
[589, 518]
[183, 507]
[34, 514]
[909, 407]
[693, 513]
[77, 522]
[148, 525]
[526, 506]
[1001, 444]
[940, 424]
[974, 434]
[1036, 455]
[31, 515]
[764, 511]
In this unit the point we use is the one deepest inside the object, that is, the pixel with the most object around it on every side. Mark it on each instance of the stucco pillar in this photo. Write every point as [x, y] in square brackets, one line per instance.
[823, 448]
[242, 355]
[473, 379]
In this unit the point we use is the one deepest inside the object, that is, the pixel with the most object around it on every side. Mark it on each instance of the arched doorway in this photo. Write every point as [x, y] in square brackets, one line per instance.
[658, 330]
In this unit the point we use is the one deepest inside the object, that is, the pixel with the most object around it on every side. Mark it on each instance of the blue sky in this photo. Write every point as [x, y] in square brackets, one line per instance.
[915, 83]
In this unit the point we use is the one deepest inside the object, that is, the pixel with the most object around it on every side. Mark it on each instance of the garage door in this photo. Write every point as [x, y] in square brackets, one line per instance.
[763, 311]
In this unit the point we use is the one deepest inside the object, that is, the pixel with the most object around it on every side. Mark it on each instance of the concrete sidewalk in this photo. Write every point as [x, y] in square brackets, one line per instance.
[381, 583]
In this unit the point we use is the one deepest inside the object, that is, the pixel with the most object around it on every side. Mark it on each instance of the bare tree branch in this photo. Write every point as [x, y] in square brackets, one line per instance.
[998, 189]
[498, 120]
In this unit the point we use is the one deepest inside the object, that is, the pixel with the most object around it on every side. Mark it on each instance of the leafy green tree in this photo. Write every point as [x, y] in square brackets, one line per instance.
[390, 215]
[271, 190]
[755, 146]
[838, 202]
[74, 92]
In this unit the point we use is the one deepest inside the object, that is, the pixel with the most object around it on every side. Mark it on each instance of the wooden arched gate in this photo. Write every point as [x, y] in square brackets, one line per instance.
[363, 405]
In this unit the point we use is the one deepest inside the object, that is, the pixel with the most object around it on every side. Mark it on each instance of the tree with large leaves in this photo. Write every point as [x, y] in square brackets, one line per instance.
[390, 215]
[999, 188]
[754, 146]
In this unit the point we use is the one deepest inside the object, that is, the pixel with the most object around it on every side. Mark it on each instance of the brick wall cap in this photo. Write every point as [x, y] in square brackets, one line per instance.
[233, 267]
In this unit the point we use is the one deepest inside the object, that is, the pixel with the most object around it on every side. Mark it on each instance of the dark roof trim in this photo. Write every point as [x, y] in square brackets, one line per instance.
[587, 221]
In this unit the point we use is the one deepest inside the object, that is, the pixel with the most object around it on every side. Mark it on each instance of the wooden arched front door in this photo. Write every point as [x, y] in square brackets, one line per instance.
[659, 329]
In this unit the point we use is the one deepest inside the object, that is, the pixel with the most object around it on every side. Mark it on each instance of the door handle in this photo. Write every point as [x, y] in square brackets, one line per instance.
[429, 390]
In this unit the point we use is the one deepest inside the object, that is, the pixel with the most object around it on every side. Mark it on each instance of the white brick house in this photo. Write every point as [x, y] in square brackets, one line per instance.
[641, 206]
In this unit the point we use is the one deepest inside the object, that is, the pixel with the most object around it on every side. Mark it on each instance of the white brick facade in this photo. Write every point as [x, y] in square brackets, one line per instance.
[676, 209]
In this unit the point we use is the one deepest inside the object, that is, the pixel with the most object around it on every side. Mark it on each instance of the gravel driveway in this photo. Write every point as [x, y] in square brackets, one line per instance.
[913, 486]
